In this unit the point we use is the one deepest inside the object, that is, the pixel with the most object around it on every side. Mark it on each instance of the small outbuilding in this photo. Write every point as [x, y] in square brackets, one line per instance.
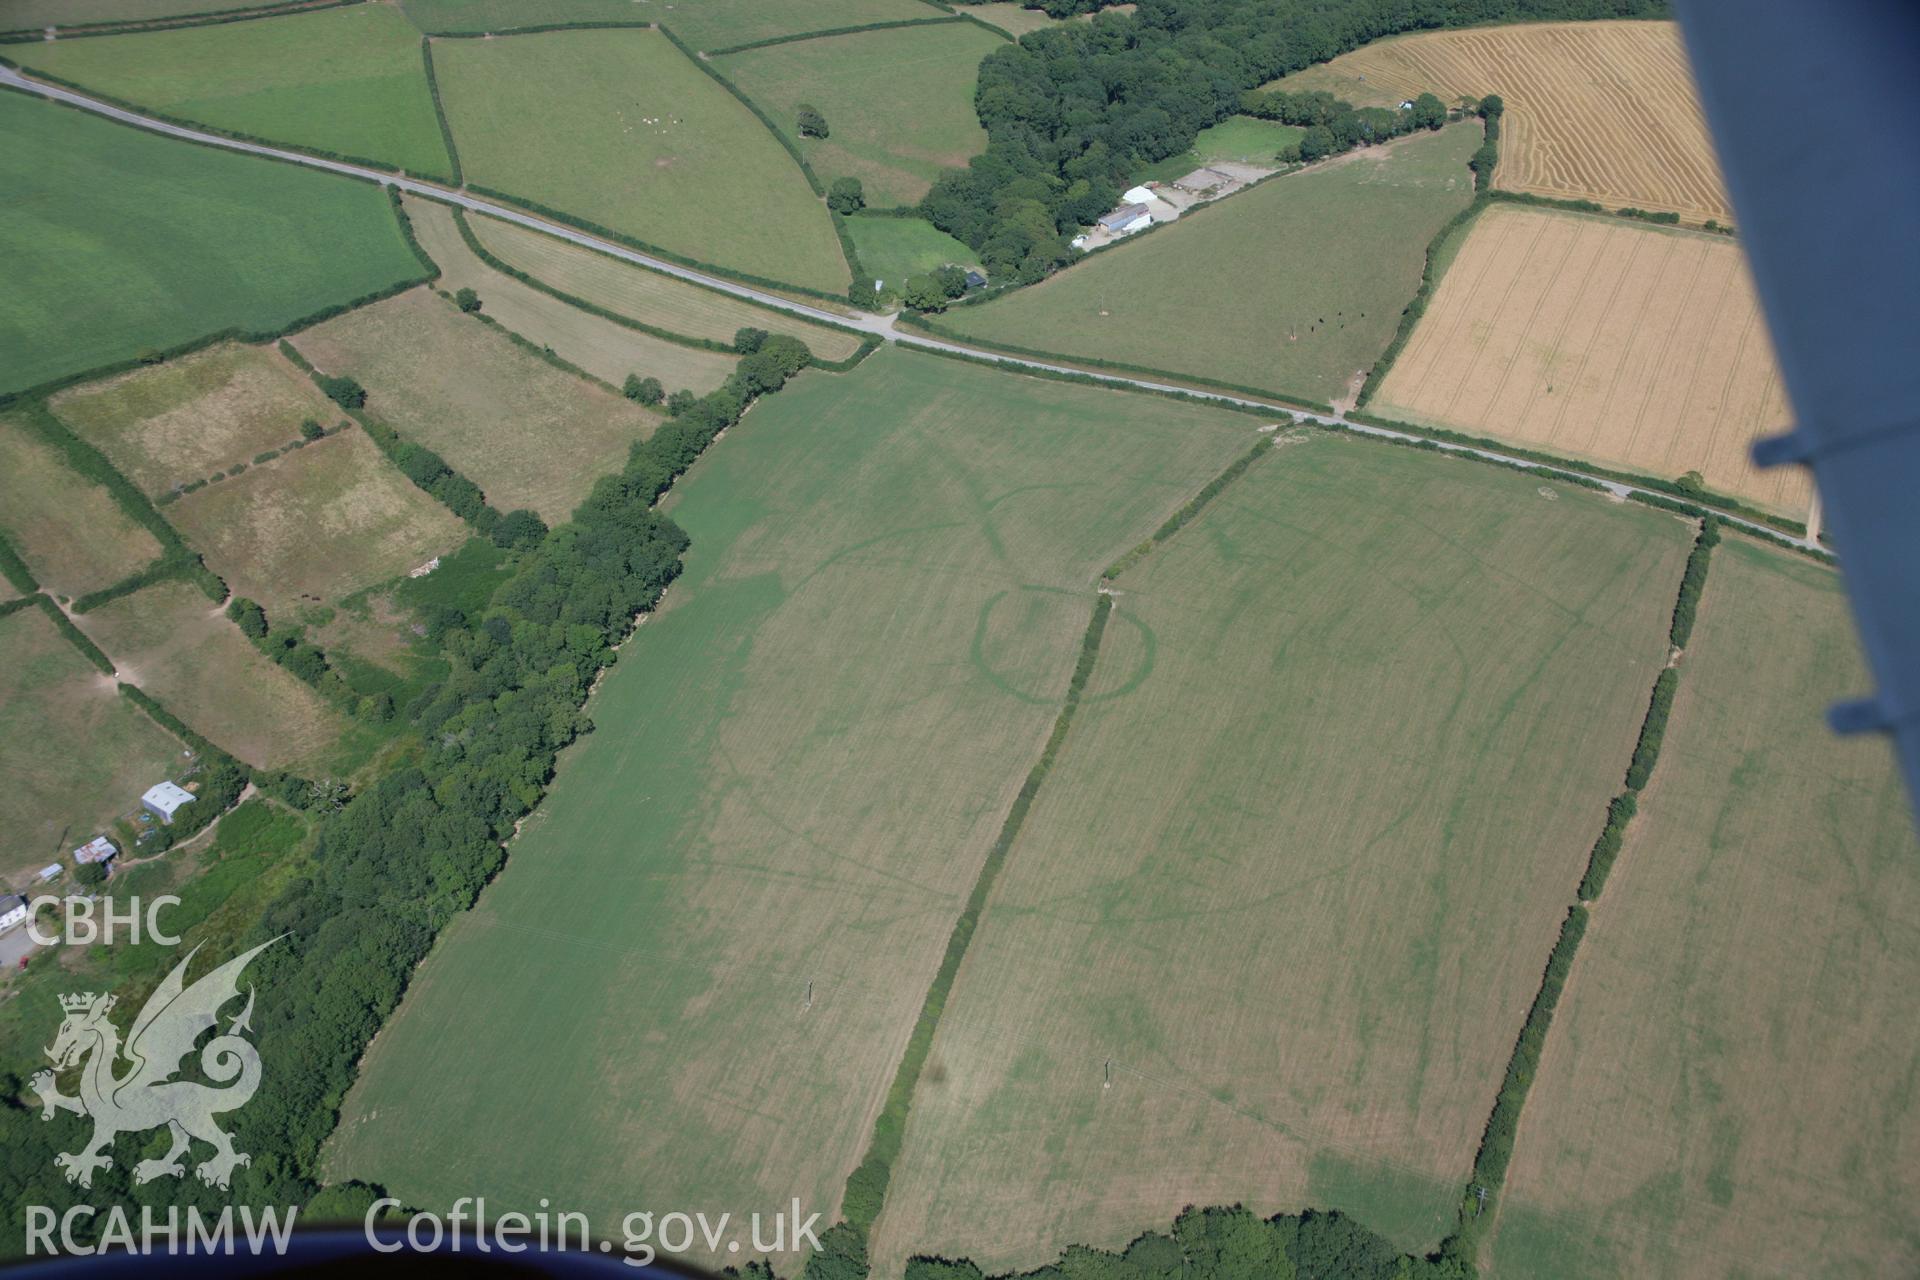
[1138, 195]
[98, 849]
[975, 279]
[1127, 218]
[50, 872]
[13, 911]
[164, 799]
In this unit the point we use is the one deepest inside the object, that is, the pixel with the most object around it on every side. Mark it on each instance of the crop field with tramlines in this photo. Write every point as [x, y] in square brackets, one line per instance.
[1598, 338]
[1602, 111]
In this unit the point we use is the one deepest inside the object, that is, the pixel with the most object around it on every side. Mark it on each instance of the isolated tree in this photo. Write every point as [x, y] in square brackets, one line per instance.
[846, 195]
[249, 616]
[1428, 112]
[749, 340]
[644, 390]
[810, 122]
[467, 300]
[343, 391]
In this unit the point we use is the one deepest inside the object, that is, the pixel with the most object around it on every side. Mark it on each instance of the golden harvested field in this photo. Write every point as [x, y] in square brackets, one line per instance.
[186, 419]
[1600, 111]
[1729, 1086]
[528, 434]
[315, 524]
[70, 531]
[173, 642]
[75, 753]
[1599, 338]
[647, 296]
[604, 349]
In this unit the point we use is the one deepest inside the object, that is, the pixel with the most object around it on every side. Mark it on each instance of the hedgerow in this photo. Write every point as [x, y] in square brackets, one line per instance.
[74, 635]
[1620, 811]
[212, 18]
[15, 569]
[167, 568]
[425, 259]
[1646, 752]
[839, 31]
[1692, 582]
[792, 148]
[440, 110]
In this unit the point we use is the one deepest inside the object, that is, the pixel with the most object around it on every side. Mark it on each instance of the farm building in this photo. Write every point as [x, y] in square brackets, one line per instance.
[50, 872]
[1137, 195]
[98, 849]
[13, 910]
[164, 799]
[1127, 219]
[975, 279]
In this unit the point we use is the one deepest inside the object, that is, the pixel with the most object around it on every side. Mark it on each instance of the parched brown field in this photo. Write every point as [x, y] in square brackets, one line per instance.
[186, 419]
[606, 350]
[1626, 344]
[75, 753]
[315, 524]
[1729, 1088]
[69, 530]
[529, 434]
[1600, 111]
[647, 296]
[173, 642]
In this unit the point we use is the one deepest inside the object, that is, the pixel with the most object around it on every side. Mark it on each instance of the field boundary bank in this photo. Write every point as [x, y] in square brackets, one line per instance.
[1711, 227]
[830, 32]
[1498, 1139]
[237, 135]
[212, 18]
[440, 111]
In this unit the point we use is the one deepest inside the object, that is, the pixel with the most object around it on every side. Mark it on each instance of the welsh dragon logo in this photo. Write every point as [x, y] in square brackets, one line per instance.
[146, 1095]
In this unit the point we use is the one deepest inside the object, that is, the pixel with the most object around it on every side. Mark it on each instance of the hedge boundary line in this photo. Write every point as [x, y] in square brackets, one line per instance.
[866, 1187]
[1095, 380]
[75, 636]
[440, 110]
[164, 569]
[158, 713]
[212, 18]
[1711, 227]
[10, 607]
[425, 259]
[155, 113]
[1002, 32]
[713, 72]
[834, 31]
[540, 28]
[531, 347]
[869, 341]
[1283, 400]
[15, 570]
[1189, 509]
[92, 465]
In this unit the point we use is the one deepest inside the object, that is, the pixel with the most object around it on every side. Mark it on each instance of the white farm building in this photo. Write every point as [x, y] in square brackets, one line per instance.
[164, 799]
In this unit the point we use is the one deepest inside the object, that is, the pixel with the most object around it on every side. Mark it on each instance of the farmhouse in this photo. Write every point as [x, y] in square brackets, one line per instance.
[98, 849]
[13, 911]
[1127, 219]
[164, 799]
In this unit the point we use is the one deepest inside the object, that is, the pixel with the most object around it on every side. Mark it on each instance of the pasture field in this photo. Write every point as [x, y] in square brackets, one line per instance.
[528, 434]
[1630, 345]
[1011, 18]
[173, 642]
[69, 530]
[1241, 139]
[75, 753]
[1295, 286]
[898, 102]
[185, 240]
[721, 24]
[181, 421]
[622, 129]
[1602, 111]
[1728, 1088]
[647, 296]
[504, 15]
[315, 524]
[34, 14]
[349, 80]
[801, 763]
[604, 349]
[1299, 862]
[891, 249]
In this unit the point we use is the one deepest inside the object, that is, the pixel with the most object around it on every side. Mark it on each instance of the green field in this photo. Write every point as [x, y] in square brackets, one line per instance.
[181, 421]
[348, 80]
[315, 524]
[891, 249]
[34, 14]
[504, 15]
[1293, 287]
[800, 765]
[528, 434]
[75, 753]
[1241, 139]
[69, 530]
[1336, 774]
[898, 103]
[604, 349]
[183, 241]
[1729, 1086]
[622, 129]
[1014, 19]
[721, 24]
[651, 297]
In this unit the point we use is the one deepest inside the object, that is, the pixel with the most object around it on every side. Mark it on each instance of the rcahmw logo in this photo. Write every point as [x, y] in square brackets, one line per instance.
[132, 1087]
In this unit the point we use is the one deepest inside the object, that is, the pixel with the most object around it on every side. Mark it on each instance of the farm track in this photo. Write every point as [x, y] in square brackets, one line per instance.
[879, 326]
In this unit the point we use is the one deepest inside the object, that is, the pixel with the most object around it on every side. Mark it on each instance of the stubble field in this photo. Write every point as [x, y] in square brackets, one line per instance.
[529, 434]
[801, 764]
[1294, 875]
[1728, 1089]
[1294, 287]
[1602, 111]
[1625, 344]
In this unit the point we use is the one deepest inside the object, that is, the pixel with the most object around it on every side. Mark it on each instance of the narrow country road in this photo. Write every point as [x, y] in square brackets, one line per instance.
[866, 322]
